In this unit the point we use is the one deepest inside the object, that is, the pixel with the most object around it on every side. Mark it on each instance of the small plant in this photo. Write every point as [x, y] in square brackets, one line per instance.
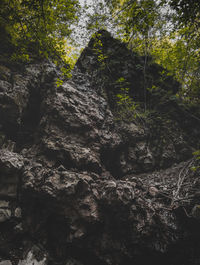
[59, 82]
[126, 105]
[197, 158]
[101, 57]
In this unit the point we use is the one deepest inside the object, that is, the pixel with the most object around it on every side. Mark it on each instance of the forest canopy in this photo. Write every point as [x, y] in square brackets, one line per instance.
[37, 27]
[166, 30]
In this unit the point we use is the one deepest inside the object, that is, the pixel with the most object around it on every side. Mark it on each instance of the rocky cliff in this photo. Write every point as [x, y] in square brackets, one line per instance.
[79, 186]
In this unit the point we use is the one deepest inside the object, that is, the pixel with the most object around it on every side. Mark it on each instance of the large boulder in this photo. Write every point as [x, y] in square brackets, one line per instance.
[78, 185]
[111, 65]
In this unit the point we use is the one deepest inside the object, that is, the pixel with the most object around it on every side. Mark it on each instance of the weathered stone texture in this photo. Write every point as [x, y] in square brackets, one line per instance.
[80, 187]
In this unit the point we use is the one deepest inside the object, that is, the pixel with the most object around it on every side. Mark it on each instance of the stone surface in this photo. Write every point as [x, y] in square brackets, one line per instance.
[110, 64]
[5, 214]
[10, 166]
[78, 186]
[5, 262]
[34, 257]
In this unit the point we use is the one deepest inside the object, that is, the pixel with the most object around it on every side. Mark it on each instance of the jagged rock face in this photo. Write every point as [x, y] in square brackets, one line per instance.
[112, 66]
[78, 187]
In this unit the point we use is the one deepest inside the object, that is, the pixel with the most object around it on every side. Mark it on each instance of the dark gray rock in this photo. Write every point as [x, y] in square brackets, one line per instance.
[10, 167]
[5, 214]
[34, 257]
[78, 186]
[5, 262]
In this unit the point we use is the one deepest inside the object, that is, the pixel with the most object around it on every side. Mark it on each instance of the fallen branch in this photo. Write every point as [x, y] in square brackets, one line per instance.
[181, 178]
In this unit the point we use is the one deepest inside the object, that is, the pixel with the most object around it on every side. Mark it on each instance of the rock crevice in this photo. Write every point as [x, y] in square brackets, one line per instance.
[79, 186]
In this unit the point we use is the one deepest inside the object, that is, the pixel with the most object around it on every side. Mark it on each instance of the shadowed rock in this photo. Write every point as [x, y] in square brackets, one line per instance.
[80, 187]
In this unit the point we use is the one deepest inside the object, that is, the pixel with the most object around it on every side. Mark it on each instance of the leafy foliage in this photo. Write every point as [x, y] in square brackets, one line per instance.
[181, 58]
[196, 167]
[187, 10]
[38, 27]
[127, 107]
[168, 31]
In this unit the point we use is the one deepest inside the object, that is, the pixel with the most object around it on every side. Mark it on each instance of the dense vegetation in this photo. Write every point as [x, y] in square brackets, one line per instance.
[37, 27]
[166, 30]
